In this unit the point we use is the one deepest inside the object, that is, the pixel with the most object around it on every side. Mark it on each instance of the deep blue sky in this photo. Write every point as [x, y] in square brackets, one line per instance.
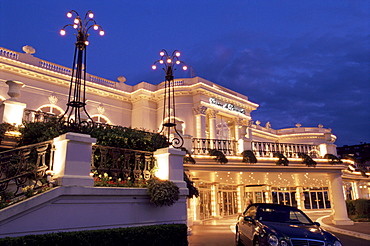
[303, 61]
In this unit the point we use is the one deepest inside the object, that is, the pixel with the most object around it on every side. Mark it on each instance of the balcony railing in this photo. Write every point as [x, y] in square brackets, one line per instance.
[120, 163]
[54, 67]
[25, 166]
[289, 150]
[202, 146]
[30, 115]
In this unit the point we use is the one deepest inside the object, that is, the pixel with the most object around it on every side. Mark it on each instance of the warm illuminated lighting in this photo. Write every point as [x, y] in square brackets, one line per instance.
[161, 61]
[178, 54]
[154, 67]
[76, 21]
[161, 53]
[185, 68]
[62, 32]
[101, 33]
[178, 62]
[96, 27]
[169, 60]
[75, 26]
[86, 42]
[91, 15]
[69, 14]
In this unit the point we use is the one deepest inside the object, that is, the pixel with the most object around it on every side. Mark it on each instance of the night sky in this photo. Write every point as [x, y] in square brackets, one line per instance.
[302, 61]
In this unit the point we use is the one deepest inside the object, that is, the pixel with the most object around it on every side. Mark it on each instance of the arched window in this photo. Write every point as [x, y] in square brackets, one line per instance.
[100, 119]
[51, 109]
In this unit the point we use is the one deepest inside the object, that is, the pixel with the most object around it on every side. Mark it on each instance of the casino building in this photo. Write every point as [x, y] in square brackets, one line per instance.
[209, 117]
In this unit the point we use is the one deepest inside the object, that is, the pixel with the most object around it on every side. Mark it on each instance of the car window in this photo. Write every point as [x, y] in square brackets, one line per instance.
[298, 217]
[282, 215]
[251, 212]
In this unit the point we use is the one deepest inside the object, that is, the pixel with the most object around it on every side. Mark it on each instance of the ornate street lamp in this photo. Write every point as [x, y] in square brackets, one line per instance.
[169, 114]
[71, 120]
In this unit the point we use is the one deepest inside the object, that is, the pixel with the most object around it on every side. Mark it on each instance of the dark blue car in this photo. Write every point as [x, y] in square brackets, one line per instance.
[278, 225]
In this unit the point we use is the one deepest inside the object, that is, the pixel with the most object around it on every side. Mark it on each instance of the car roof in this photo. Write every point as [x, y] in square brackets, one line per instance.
[272, 205]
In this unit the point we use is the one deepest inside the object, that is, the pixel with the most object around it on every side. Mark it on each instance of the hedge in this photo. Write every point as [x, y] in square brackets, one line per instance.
[156, 235]
[359, 208]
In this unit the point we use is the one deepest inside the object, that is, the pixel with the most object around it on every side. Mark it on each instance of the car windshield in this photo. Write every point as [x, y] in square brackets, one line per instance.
[282, 215]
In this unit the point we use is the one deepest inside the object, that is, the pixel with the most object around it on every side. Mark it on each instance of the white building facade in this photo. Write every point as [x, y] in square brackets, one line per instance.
[209, 117]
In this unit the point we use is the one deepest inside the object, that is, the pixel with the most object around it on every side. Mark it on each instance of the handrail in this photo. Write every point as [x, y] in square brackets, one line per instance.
[202, 146]
[25, 166]
[289, 150]
[121, 163]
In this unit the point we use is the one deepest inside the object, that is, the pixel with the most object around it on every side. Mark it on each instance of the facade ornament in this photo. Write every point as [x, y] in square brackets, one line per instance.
[211, 113]
[200, 110]
[121, 79]
[28, 49]
[101, 109]
[53, 99]
[268, 125]
[258, 122]
[320, 126]
[298, 125]
[14, 89]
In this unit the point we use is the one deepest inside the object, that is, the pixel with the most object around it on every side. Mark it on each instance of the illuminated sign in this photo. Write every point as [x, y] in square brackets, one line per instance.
[228, 106]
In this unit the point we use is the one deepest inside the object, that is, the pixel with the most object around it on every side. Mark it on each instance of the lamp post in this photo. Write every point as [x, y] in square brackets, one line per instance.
[71, 120]
[169, 113]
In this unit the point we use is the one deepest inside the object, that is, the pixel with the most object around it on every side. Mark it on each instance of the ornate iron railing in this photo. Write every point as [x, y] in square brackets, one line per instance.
[289, 150]
[25, 166]
[120, 163]
[202, 146]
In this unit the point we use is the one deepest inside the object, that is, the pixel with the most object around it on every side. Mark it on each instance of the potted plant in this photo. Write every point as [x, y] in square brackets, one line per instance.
[306, 159]
[249, 157]
[282, 159]
[220, 157]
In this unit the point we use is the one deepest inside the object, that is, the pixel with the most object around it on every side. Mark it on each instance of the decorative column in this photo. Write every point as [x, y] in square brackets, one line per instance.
[243, 141]
[300, 197]
[72, 159]
[356, 191]
[212, 123]
[241, 200]
[338, 203]
[11, 110]
[200, 121]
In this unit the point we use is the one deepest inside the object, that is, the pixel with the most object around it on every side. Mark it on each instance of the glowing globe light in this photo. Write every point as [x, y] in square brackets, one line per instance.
[161, 61]
[101, 33]
[62, 32]
[169, 61]
[75, 26]
[86, 42]
[154, 67]
[76, 21]
[178, 62]
[91, 15]
[69, 14]
[161, 53]
[178, 54]
[96, 27]
[184, 68]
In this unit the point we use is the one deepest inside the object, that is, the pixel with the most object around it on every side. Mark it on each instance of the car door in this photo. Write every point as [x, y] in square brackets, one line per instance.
[247, 227]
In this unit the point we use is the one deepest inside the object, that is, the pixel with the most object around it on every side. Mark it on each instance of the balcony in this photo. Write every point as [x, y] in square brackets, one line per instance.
[202, 146]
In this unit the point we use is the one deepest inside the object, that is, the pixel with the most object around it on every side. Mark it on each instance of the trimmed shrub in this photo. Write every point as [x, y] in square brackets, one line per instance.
[156, 235]
[220, 157]
[249, 157]
[163, 192]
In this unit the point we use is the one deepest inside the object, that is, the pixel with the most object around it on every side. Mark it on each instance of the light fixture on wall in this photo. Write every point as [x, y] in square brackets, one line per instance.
[72, 120]
[168, 129]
